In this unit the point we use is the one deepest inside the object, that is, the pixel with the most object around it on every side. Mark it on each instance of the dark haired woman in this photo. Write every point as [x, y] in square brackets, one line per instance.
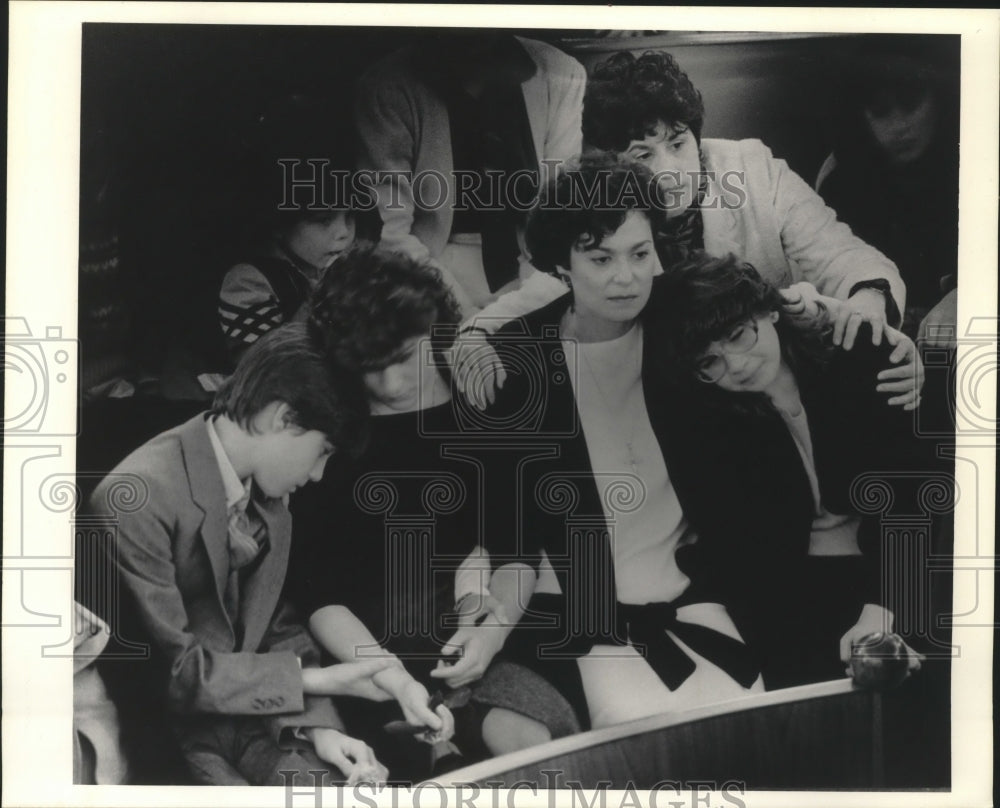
[387, 543]
[721, 328]
[650, 514]
[896, 148]
[727, 196]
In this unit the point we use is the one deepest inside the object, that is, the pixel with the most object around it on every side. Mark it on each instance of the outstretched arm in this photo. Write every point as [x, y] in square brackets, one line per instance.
[338, 630]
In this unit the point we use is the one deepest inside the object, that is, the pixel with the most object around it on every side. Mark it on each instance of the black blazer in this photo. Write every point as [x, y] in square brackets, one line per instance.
[862, 447]
[739, 480]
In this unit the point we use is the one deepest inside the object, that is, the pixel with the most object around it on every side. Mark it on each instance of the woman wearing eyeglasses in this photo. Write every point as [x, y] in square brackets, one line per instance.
[724, 332]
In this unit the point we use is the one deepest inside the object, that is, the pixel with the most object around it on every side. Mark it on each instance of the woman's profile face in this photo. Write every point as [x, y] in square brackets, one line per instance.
[671, 154]
[754, 369]
[902, 124]
[612, 280]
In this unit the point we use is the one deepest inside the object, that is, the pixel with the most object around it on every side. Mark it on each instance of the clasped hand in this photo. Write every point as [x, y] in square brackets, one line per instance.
[478, 644]
[414, 700]
[349, 679]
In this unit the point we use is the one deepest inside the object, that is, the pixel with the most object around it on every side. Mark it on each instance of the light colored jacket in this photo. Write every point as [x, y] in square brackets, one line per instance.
[759, 209]
[404, 127]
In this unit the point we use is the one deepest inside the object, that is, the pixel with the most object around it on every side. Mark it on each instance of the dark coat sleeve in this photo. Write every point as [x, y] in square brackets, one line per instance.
[863, 447]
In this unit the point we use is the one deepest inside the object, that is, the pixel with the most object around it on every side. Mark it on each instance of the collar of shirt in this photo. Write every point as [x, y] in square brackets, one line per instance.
[311, 273]
[236, 489]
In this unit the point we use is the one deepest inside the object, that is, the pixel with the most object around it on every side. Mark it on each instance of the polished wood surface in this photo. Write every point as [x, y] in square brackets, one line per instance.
[827, 735]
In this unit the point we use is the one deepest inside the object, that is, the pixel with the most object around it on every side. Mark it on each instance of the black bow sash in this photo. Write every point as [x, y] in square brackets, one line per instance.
[646, 626]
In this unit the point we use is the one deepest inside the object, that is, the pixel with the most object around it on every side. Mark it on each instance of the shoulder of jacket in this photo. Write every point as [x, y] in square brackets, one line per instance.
[391, 76]
[137, 481]
[245, 278]
[728, 150]
[549, 54]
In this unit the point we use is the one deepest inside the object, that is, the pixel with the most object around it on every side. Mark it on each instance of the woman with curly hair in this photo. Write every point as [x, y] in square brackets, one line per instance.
[727, 196]
[723, 335]
[640, 517]
[386, 559]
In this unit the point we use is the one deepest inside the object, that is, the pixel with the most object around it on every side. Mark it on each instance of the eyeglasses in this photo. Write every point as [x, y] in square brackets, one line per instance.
[712, 367]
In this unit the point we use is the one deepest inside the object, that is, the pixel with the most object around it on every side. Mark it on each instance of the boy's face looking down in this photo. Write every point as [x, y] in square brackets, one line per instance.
[671, 154]
[318, 242]
[397, 386]
[288, 456]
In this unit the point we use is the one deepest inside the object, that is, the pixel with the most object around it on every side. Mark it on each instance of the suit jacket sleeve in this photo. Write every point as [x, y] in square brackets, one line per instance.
[827, 253]
[286, 633]
[201, 677]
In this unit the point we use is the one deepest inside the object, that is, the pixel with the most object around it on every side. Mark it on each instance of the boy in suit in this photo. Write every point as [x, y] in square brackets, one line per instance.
[203, 556]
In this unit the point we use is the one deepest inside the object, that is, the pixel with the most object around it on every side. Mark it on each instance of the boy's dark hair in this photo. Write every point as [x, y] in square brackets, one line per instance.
[627, 97]
[371, 301]
[586, 202]
[284, 365]
[704, 298]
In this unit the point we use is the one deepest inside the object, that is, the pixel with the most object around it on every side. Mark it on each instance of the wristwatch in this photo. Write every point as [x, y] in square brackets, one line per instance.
[892, 314]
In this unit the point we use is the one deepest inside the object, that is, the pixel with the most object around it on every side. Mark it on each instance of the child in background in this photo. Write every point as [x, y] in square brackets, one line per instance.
[270, 289]
[304, 210]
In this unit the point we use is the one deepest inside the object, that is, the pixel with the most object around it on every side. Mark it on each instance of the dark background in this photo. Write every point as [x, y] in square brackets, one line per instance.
[179, 111]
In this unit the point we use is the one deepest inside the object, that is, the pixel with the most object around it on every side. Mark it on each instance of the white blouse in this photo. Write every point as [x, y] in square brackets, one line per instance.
[644, 517]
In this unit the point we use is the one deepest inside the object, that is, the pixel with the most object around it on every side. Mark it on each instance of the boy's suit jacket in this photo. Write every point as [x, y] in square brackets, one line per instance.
[171, 554]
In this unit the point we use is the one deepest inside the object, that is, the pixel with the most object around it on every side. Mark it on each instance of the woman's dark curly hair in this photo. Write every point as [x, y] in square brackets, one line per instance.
[704, 298]
[586, 202]
[627, 97]
[371, 301]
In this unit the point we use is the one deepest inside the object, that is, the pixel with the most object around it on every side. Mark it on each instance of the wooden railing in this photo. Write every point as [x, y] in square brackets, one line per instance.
[827, 735]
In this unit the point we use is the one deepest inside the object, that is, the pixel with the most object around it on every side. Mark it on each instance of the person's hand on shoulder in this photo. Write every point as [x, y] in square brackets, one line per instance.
[804, 304]
[904, 381]
[477, 368]
[864, 306]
